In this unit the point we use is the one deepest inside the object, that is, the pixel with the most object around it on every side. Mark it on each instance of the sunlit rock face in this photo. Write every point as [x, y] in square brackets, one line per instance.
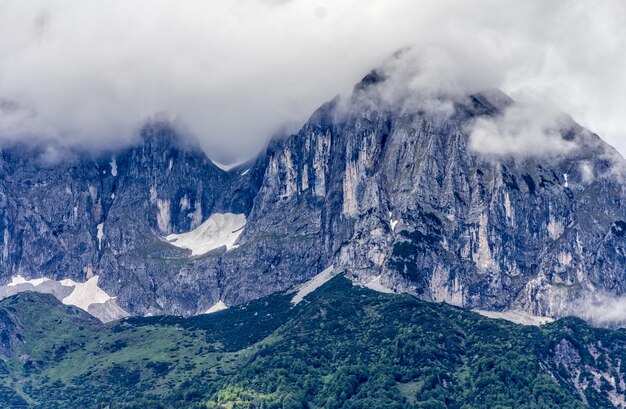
[400, 195]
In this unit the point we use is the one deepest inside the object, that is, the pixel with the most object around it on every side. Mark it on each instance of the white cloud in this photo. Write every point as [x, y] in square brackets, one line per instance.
[601, 309]
[527, 130]
[234, 73]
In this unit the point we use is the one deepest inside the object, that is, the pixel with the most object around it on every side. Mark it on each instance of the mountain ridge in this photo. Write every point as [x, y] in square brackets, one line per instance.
[387, 193]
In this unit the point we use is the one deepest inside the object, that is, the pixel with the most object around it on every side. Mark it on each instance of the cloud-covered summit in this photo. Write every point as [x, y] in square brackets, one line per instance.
[233, 74]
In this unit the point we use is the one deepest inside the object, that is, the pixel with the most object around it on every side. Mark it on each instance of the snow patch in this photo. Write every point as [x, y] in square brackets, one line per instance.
[516, 316]
[245, 172]
[85, 294]
[113, 164]
[218, 306]
[68, 282]
[100, 234]
[18, 279]
[313, 284]
[393, 224]
[566, 184]
[217, 231]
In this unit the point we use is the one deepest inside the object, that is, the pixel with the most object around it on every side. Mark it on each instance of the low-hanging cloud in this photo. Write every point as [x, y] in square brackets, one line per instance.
[233, 74]
[522, 130]
[601, 309]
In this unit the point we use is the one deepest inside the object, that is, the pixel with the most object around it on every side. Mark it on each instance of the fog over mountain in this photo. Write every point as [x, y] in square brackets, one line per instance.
[235, 74]
[312, 204]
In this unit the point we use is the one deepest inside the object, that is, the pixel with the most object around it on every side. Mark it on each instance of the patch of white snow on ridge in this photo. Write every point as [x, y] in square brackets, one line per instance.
[217, 231]
[18, 279]
[218, 306]
[245, 172]
[516, 316]
[68, 282]
[313, 284]
[566, 184]
[85, 294]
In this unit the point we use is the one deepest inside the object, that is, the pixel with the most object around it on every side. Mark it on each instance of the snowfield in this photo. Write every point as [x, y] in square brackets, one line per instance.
[18, 279]
[217, 231]
[313, 284]
[87, 296]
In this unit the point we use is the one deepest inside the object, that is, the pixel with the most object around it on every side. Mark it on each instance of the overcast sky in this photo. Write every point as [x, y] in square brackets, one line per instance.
[234, 73]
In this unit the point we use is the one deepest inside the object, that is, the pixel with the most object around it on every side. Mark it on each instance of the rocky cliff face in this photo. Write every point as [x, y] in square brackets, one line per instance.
[84, 216]
[396, 197]
[402, 199]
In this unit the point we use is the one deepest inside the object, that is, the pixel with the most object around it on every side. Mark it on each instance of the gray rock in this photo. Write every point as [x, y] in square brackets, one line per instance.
[374, 190]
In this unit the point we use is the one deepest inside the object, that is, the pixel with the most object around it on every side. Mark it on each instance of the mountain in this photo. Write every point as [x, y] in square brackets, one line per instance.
[107, 216]
[397, 196]
[341, 345]
[402, 200]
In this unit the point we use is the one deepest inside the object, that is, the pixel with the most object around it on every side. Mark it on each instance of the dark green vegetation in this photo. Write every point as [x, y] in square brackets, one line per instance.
[342, 347]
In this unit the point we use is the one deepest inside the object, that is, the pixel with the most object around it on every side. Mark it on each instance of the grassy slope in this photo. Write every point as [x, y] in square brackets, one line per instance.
[343, 346]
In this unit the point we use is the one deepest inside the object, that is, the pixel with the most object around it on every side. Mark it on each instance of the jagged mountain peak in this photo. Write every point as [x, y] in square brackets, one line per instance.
[372, 78]
[403, 198]
[163, 135]
[489, 102]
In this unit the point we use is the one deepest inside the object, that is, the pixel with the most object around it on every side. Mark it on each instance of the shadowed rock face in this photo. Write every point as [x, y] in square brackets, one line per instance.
[395, 193]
